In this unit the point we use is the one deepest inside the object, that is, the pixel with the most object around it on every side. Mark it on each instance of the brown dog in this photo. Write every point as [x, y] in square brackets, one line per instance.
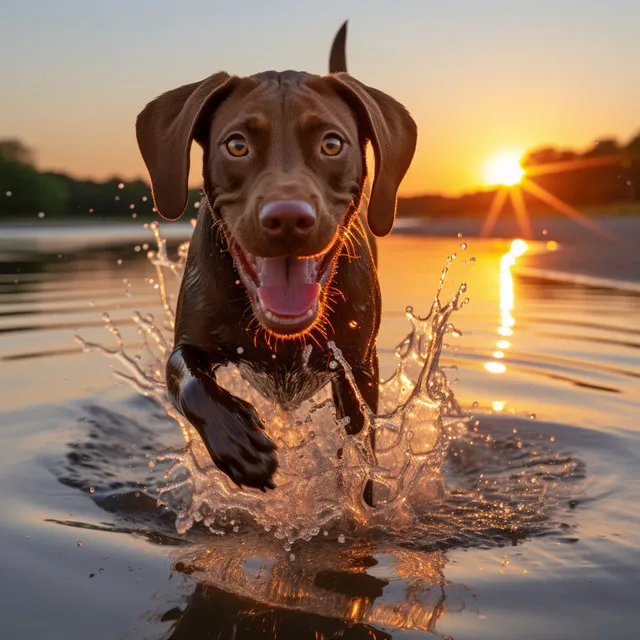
[280, 257]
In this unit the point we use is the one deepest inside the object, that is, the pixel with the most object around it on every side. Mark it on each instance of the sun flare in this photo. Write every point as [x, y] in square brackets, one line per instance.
[504, 169]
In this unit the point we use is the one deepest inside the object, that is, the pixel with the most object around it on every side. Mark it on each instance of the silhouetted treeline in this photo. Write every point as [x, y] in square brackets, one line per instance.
[606, 174]
[26, 192]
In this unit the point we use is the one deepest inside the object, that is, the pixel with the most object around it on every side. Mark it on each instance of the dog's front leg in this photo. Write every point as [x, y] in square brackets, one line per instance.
[229, 427]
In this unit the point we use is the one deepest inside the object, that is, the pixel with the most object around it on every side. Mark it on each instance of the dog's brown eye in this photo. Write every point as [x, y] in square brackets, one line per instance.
[332, 145]
[237, 146]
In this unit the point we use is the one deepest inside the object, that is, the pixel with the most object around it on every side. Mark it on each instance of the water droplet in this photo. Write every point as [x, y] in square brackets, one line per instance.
[119, 261]
[145, 246]
[532, 416]
[544, 232]
[459, 234]
[132, 206]
[79, 543]
[41, 214]
[117, 198]
[463, 246]
[137, 248]
[237, 281]
[353, 324]
[92, 489]
[472, 259]
[240, 350]
[91, 210]
[144, 198]
[273, 356]
[475, 404]
[196, 205]
[101, 570]
[8, 194]
[134, 215]
[341, 538]
[121, 185]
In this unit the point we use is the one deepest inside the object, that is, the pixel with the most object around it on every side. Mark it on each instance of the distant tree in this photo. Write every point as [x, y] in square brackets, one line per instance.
[634, 144]
[604, 147]
[16, 152]
[23, 190]
[547, 155]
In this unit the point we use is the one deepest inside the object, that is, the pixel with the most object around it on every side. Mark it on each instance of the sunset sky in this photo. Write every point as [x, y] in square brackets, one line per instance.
[479, 76]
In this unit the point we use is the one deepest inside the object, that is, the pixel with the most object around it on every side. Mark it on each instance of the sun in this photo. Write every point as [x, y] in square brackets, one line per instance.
[504, 169]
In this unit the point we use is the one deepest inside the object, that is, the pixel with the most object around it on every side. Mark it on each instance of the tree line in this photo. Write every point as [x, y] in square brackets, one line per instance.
[607, 173]
[27, 193]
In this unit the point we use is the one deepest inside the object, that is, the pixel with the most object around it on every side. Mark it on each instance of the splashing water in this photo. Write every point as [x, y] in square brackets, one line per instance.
[316, 489]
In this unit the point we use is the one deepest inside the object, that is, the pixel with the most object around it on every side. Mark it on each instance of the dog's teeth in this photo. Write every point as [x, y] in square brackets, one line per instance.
[269, 315]
[310, 313]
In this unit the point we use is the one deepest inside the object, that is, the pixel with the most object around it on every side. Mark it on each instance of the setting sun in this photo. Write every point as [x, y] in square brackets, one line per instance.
[504, 169]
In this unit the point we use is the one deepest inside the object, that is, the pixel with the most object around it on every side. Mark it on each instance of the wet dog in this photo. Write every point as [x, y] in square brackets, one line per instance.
[283, 257]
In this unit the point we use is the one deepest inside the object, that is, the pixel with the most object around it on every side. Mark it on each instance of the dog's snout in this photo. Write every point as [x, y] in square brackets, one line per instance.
[293, 218]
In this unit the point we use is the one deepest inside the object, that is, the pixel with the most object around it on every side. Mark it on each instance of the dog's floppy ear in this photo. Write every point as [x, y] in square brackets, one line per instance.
[338, 55]
[165, 129]
[393, 135]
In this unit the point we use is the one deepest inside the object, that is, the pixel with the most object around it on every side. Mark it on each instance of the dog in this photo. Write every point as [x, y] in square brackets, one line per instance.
[283, 255]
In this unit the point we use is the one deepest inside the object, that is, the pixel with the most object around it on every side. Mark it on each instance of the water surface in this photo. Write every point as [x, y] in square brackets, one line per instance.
[537, 535]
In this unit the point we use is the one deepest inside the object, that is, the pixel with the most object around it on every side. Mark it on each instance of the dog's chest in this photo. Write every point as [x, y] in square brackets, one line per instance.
[288, 385]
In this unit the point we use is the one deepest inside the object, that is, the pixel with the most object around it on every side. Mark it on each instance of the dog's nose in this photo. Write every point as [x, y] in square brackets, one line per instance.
[281, 218]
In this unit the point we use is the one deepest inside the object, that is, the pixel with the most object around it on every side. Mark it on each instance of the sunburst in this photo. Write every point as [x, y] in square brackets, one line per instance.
[505, 171]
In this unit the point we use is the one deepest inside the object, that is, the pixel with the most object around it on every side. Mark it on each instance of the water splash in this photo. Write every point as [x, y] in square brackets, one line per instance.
[316, 488]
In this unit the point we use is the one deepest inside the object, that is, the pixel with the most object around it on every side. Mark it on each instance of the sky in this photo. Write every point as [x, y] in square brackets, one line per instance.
[479, 76]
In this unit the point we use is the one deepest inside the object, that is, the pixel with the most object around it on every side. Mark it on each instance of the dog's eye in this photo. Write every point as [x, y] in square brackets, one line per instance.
[332, 145]
[237, 146]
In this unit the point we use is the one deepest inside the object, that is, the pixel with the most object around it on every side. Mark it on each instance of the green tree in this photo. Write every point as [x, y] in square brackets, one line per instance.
[23, 190]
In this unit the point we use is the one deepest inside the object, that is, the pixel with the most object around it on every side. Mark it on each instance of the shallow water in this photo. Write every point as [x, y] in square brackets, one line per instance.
[536, 535]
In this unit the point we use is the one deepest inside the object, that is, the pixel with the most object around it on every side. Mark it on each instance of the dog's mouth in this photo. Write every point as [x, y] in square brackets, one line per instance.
[286, 292]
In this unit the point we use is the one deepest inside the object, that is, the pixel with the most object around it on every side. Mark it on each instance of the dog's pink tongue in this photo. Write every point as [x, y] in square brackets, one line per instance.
[287, 286]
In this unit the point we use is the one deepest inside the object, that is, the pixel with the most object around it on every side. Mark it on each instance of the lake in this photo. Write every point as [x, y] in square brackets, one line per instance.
[537, 532]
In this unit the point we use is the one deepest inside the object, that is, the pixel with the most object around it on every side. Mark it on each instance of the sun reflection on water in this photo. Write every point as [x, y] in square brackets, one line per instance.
[507, 321]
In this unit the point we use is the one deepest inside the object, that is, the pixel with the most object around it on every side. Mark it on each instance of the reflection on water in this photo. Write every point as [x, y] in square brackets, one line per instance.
[320, 495]
[533, 536]
[359, 587]
[507, 321]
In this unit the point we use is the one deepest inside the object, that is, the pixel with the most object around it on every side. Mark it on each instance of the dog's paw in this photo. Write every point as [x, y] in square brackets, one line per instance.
[240, 448]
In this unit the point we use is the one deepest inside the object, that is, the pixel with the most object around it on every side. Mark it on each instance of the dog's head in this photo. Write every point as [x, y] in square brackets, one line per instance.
[284, 170]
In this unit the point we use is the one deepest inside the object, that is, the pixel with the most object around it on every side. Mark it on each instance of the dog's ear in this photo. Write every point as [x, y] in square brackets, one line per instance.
[338, 55]
[393, 135]
[165, 129]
